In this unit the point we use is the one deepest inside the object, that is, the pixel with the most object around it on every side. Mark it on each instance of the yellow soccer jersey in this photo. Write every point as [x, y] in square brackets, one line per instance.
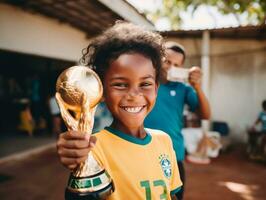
[142, 169]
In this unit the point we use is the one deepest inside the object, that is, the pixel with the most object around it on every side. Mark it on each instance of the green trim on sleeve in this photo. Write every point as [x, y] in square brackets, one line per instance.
[175, 190]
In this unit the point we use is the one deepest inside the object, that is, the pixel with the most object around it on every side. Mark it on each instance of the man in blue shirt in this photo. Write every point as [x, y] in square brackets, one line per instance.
[167, 114]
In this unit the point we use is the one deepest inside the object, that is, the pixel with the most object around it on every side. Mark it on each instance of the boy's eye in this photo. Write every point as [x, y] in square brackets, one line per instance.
[145, 84]
[119, 85]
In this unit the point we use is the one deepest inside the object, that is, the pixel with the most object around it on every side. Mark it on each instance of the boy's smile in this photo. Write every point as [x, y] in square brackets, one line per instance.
[133, 109]
[130, 91]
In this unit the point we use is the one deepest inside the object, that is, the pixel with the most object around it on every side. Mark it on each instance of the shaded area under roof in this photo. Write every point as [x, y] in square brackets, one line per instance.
[243, 32]
[89, 16]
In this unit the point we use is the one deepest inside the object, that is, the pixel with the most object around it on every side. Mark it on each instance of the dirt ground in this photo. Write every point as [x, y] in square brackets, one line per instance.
[229, 177]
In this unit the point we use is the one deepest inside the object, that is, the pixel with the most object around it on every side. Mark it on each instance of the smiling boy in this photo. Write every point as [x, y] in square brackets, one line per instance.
[141, 161]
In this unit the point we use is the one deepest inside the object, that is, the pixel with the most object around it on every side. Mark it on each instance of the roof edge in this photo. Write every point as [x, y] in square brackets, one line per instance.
[128, 12]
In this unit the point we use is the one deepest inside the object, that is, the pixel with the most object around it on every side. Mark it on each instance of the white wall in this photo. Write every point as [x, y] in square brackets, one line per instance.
[237, 80]
[24, 32]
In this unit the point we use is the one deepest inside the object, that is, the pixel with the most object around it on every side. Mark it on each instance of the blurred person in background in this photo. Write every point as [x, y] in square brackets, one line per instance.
[167, 114]
[261, 119]
[257, 136]
[26, 122]
[56, 116]
[36, 100]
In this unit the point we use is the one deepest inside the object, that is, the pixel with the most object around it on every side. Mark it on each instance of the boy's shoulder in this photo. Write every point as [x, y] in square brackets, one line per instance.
[100, 133]
[157, 133]
[159, 137]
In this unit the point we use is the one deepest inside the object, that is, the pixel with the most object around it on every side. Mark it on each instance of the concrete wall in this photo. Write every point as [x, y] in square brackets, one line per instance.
[237, 80]
[35, 34]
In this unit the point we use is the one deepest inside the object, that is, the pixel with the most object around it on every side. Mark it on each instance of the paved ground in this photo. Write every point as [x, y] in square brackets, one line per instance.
[230, 177]
[38, 177]
[12, 143]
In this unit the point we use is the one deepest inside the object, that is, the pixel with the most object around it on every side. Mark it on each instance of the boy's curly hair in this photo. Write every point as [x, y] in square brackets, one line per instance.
[123, 38]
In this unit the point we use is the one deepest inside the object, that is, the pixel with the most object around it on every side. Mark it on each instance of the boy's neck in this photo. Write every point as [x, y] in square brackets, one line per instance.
[137, 132]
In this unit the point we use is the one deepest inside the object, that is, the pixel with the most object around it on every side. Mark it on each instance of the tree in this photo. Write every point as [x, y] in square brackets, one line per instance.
[254, 9]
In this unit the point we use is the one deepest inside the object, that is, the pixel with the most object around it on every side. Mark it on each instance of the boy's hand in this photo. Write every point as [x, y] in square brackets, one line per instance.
[194, 78]
[73, 148]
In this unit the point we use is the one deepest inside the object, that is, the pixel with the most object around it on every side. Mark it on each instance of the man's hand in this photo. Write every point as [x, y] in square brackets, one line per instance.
[195, 76]
[73, 148]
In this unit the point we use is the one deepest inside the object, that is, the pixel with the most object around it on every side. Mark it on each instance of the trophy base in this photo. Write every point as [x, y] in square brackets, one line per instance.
[98, 195]
[95, 187]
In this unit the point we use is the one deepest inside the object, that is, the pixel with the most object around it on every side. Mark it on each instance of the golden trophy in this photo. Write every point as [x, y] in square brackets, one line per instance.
[78, 91]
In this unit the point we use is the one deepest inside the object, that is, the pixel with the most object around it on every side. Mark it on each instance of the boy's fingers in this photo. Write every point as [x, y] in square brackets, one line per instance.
[71, 167]
[93, 140]
[73, 144]
[72, 153]
[73, 135]
[73, 162]
[67, 161]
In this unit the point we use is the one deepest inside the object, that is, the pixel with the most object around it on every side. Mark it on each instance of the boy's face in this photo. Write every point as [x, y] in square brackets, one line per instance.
[130, 89]
[174, 59]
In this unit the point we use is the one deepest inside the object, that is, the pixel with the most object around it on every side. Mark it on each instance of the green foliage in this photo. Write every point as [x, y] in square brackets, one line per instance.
[171, 9]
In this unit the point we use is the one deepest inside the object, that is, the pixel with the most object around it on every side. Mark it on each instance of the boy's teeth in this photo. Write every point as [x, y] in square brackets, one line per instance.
[132, 109]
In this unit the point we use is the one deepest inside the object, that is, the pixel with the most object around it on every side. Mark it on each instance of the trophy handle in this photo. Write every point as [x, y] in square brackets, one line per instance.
[70, 122]
[85, 125]
[85, 122]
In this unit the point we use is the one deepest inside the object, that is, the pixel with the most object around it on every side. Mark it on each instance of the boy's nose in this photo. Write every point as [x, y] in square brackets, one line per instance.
[134, 92]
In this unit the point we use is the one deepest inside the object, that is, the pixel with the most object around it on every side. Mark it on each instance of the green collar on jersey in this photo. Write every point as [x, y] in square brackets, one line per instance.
[144, 141]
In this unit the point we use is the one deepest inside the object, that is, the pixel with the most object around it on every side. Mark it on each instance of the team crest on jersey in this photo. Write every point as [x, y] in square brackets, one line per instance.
[166, 165]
